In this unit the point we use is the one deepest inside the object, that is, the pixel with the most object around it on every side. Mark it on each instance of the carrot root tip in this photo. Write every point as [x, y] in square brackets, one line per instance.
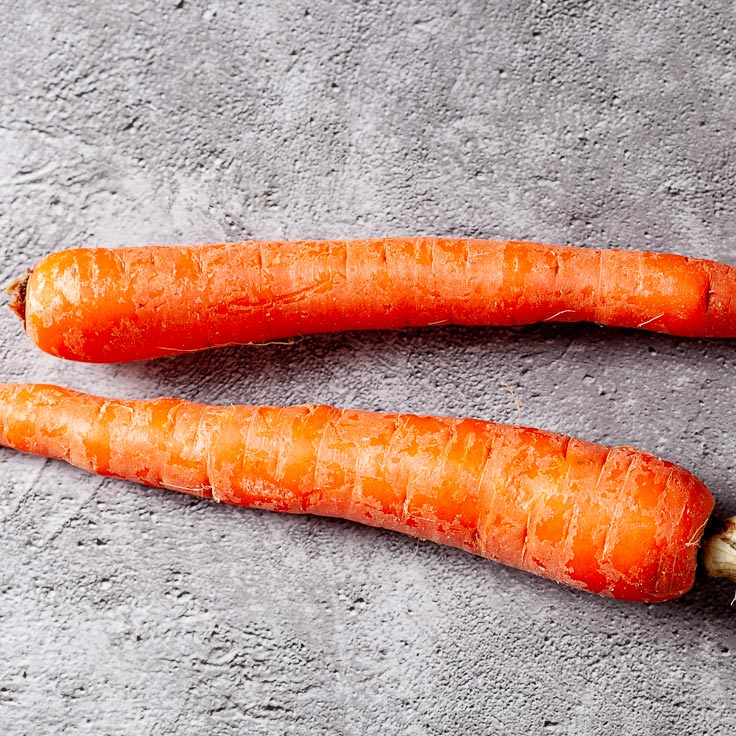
[719, 552]
[18, 291]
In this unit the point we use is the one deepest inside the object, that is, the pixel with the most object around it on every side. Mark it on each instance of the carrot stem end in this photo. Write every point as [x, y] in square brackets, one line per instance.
[719, 552]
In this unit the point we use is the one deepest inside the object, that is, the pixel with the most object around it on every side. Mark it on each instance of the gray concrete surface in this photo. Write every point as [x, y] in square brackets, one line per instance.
[130, 611]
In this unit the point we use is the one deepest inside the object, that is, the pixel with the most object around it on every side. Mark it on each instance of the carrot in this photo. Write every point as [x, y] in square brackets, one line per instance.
[111, 305]
[613, 521]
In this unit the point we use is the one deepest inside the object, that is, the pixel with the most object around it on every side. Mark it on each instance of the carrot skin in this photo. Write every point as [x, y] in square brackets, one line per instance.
[613, 521]
[115, 305]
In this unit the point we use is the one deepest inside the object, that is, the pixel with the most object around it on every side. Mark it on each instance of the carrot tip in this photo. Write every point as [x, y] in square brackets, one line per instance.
[18, 291]
[719, 552]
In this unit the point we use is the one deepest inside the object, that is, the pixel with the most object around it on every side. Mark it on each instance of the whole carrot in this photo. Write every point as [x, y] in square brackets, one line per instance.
[613, 521]
[110, 305]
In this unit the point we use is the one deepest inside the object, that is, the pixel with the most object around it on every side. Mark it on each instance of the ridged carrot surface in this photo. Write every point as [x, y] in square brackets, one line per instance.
[614, 521]
[110, 305]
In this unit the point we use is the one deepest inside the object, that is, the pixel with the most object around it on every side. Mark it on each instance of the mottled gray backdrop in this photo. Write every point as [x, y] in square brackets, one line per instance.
[130, 611]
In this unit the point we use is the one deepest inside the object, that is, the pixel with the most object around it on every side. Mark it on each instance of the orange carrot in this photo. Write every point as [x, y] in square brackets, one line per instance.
[110, 305]
[613, 521]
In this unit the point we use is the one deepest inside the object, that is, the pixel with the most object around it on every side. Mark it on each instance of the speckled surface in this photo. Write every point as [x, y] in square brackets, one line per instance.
[125, 610]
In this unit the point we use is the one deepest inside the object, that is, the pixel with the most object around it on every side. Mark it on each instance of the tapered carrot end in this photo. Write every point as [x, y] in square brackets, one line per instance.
[719, 552]
[18, 291]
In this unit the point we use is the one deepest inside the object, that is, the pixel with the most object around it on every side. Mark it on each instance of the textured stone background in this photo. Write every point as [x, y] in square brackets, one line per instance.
[125, 610]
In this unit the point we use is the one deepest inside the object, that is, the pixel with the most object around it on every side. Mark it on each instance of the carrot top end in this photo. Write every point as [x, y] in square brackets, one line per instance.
[719, 552]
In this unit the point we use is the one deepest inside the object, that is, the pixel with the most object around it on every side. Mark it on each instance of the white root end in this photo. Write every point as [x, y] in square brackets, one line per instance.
[719, 552]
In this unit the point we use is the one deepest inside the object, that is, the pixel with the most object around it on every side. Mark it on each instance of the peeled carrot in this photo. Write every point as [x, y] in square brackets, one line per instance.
[110, 305]
[613, 521]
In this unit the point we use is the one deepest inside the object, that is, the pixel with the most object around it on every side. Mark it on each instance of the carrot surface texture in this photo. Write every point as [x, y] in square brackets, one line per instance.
[613, 521]
[114, 305]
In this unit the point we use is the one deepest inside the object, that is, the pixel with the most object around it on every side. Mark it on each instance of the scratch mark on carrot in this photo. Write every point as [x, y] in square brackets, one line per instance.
[558, 314]
[649, 321]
